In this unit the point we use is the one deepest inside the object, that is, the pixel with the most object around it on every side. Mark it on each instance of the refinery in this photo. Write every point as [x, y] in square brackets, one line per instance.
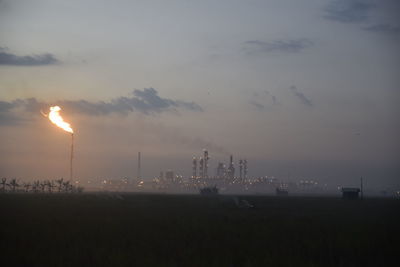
[225, 178]
[231, 177]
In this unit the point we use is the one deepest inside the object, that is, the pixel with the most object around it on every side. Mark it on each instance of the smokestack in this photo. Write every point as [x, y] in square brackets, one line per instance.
[206, 158]
[221, 172]
[201, 168]
[231, 168]
[194, 174]
[362, 189]
[138, 168]
[241, 169]
[245, 168]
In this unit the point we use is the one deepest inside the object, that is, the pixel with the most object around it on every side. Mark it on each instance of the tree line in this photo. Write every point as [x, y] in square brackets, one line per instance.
[38, 186]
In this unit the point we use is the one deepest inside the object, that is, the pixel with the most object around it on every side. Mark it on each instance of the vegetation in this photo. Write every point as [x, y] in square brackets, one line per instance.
[183, 230]
[209, 191]
[45, 186]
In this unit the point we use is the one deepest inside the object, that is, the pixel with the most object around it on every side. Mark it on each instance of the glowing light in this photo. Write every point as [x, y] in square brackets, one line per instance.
[55, 117]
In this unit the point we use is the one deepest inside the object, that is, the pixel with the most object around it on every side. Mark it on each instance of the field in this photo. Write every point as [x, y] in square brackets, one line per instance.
[188, 230]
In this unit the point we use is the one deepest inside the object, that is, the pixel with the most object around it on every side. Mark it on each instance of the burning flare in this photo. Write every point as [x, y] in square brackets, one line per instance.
[56, 118]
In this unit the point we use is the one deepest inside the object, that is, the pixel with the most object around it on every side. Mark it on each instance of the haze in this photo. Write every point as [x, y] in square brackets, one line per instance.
[302, 89]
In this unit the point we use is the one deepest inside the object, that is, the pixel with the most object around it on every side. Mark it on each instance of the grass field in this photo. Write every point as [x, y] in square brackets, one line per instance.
[187, 230]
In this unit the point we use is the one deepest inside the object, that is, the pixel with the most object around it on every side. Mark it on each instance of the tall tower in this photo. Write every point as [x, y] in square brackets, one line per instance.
[138, 168]
[245, 168]
[205, 169]
[241, 170]
[194, 174]
[221, 172]
[362, 188]
[201, 168]
[231, 169]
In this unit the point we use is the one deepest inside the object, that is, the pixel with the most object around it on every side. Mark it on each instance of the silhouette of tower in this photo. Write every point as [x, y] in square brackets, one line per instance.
[138, 168]
[205, 167]
[194, 174]
[201, 168]
[245, 169]
[221, 171]
[241, 170]
[231, 169]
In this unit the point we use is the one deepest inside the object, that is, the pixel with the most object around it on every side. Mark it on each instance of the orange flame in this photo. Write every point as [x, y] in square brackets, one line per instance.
[55, 117]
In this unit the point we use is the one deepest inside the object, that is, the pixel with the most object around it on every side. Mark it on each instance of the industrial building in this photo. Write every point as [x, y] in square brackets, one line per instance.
[350, 193]
[231, 169]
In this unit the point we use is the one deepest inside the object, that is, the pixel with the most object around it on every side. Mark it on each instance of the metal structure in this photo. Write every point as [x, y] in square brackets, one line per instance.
[350, 192]
[241, 170]
[362, 188]
[138, 167]
[71, 159]
[245, 169]
[231, 169]
[194, 168]
[221, 171]
[205, 167]
[201, 168]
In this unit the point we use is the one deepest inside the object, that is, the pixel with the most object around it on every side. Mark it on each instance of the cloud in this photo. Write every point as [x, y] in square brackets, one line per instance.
[286, 46]
[305, 100]
[173, 135]
[7, 58]
[5, 106]
[258, 105]
[273, 98]
[146, 101]
[383, 28]
[6, 117]
[348, 11]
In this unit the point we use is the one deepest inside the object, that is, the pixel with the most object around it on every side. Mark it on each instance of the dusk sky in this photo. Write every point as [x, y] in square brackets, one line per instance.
[302, 89]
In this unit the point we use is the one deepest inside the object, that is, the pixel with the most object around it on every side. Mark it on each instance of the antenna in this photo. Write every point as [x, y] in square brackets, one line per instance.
[205, 166]
[241, 170]
[138, 169]
[194, 168]
[201, 168]
[362, 189]
[71, 174]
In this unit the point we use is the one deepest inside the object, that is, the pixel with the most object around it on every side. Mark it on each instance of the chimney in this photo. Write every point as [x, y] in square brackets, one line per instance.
[138, 168]
[194, 174]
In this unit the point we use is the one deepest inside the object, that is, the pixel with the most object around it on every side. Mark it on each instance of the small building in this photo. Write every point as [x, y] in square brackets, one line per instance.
[169, 175]
[350, 193]
[282, 191]
[209, 191]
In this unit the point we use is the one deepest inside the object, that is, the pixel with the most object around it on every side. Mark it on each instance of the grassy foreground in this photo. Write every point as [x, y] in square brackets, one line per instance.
[184, 230]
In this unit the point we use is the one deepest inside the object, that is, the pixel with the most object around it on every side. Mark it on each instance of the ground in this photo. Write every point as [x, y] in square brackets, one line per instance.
[190, 230]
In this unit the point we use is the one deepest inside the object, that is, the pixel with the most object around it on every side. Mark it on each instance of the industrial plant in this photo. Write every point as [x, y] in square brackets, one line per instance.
[230, 177]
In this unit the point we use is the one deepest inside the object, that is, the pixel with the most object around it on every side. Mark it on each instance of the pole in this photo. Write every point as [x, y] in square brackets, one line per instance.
[138, 168]
[72, 156]
[362, 189]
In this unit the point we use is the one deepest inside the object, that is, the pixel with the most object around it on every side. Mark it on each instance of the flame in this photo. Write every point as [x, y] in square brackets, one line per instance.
[55, 117]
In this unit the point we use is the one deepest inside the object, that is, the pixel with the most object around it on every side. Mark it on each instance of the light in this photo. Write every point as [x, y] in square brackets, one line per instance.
[55, 117]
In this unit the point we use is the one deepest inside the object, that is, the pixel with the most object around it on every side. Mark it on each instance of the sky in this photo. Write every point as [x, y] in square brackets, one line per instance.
[301, 89]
